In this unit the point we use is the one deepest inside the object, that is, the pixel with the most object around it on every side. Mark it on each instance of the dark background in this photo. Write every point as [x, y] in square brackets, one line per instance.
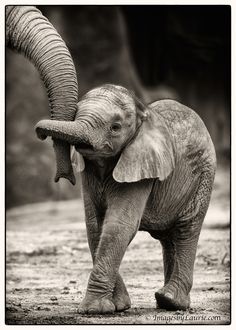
[178, 52]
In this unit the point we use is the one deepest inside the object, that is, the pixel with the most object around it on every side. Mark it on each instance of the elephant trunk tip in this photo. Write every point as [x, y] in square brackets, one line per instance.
[41, 129]
[70, 177]
[40, 134]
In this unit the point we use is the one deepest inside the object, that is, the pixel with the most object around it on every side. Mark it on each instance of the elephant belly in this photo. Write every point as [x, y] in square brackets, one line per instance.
[165, 203]
[155, 220]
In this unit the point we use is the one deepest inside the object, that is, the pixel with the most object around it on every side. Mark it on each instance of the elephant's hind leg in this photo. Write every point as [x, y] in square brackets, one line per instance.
[178, 269]
[168, 250]
[179, 250]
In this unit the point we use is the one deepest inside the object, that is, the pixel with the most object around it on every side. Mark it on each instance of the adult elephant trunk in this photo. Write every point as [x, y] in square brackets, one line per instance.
[30, 33]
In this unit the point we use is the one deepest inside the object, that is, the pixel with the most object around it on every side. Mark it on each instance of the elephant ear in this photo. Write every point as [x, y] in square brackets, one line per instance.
[77, 160]
[149, 155]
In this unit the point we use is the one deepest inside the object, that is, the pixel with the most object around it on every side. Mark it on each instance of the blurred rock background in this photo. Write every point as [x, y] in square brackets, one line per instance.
[178, 52]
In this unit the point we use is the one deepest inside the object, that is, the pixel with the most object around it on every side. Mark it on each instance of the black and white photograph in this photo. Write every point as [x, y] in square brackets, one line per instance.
[118, 164]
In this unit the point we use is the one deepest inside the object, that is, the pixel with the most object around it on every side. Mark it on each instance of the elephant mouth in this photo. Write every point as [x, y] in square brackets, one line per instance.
[88, 151]
[84, 148]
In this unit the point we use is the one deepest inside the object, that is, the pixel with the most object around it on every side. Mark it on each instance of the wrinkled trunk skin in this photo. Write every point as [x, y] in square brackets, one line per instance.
[31, 34]
[70, 132]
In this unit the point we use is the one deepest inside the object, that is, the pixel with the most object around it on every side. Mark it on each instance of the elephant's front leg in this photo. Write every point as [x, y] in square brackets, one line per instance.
[120, 296]
[113, 242]
[119, 227]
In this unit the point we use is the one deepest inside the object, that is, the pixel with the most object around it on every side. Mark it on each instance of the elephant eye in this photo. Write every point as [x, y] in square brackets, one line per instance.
[116, 127]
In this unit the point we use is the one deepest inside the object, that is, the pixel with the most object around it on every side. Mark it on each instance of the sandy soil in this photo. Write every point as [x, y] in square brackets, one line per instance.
[48, 264]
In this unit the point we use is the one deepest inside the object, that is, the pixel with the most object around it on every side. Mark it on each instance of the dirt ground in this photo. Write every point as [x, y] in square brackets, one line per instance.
[48, 264]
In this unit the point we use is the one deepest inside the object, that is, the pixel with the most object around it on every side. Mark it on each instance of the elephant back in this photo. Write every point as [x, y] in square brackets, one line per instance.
[192, 142]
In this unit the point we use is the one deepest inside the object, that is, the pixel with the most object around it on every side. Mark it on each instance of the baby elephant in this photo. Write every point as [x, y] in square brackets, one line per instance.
[143, 167]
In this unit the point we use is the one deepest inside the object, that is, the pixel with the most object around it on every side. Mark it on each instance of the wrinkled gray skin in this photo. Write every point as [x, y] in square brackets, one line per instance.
[30, 33]
[146, 168]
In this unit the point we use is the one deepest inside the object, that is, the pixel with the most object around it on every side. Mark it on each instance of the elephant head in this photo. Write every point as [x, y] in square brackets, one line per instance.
[31, 34]
[112, 122]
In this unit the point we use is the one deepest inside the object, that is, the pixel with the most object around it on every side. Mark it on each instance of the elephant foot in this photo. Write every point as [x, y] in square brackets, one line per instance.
[96, 306]
[122, 302]
[170, 300]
